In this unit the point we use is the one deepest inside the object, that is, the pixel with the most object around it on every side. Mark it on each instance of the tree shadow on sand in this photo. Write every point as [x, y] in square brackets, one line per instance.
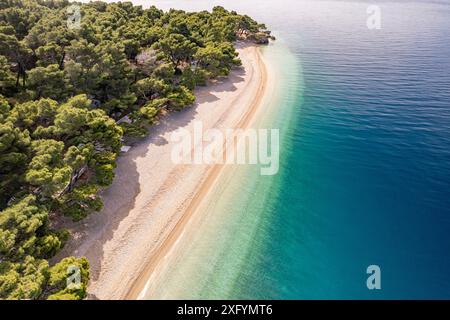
[90, 235]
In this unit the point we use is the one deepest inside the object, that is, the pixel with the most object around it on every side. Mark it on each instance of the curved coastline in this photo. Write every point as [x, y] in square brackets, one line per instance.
[219, 257]
[146, 209]
[139, 287]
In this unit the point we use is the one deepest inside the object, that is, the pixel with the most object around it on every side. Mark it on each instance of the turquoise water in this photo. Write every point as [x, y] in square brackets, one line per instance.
[365, 162]
[212, 260]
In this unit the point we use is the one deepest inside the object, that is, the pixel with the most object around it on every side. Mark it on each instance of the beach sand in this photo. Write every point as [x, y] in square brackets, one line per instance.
[151, 200]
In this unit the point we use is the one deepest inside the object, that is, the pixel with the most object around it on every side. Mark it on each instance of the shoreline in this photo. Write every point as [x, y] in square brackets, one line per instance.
[137, 291]
[151, 200]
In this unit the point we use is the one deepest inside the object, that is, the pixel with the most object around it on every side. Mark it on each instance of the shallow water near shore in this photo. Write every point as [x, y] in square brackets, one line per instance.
[364, 170]
[217, 249]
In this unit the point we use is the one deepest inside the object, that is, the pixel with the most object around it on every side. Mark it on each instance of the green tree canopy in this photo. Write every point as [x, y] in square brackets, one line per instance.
[63, 94]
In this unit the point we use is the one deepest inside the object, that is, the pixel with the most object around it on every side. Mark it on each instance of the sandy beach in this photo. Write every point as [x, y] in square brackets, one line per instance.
[151, 200]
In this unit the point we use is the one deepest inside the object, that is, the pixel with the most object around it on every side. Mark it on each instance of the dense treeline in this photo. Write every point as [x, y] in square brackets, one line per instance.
[62, 93]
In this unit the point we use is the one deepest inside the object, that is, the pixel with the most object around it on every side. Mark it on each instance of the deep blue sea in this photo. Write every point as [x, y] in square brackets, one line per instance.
[366, 178]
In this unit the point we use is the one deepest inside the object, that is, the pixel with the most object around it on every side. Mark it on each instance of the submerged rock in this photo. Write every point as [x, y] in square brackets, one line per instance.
[261, 38]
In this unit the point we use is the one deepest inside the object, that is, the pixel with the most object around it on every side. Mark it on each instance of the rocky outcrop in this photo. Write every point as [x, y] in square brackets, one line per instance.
[260, 37]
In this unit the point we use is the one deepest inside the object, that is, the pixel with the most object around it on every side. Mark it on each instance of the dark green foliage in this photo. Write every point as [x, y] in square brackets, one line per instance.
[81, 201]
[62, 92]
[135, 130]
[23, 280]
[18, 228]
[6, 77]
[180, 98]
[57, 288]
